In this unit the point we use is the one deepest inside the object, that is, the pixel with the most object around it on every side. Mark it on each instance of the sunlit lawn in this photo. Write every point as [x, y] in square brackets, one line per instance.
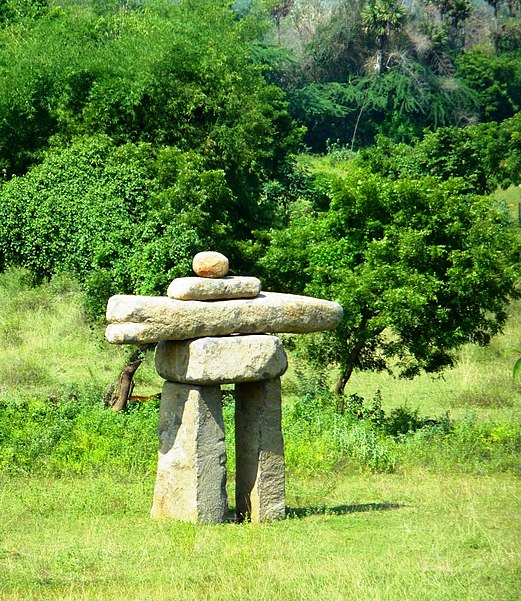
[412, 535]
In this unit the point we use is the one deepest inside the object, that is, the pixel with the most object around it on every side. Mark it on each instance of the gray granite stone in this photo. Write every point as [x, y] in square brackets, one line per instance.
[143, 319]
[204, 289]
[221, 360]
[191, 472]
[260, 483]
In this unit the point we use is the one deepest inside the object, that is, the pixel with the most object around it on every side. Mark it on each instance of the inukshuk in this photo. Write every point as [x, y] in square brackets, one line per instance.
[213, 330]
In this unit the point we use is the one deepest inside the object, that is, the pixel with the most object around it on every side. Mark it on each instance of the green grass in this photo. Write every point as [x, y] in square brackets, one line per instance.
[49, 349]
[418, 536]
[512, 197]
[481, 382]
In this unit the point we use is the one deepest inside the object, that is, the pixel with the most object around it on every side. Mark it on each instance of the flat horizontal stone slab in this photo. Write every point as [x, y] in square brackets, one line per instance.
[214, 289]
[208, 361]
[144, 319]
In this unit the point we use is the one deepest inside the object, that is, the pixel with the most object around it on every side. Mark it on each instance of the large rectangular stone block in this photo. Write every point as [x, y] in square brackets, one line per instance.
[260, 482]
[191, 471]
[221, 360]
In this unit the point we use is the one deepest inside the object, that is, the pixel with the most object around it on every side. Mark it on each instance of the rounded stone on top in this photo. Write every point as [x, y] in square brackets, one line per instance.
[210, 264]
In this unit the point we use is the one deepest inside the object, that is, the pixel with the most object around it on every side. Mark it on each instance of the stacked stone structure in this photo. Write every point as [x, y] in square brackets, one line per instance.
[215, 329]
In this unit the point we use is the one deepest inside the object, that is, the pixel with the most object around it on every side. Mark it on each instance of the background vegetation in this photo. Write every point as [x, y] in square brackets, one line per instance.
[135, 133]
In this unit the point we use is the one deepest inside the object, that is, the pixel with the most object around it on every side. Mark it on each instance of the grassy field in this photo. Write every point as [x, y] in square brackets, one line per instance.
[385, 537]
[432, 514]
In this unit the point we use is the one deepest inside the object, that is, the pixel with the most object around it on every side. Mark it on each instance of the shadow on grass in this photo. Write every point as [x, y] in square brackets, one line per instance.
[303, 512]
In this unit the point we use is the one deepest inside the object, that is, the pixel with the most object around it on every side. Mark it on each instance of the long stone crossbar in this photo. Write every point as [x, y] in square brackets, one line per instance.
[144, 319]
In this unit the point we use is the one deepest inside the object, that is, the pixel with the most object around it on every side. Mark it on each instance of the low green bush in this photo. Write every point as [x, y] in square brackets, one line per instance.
[77, 435]
[322, 435]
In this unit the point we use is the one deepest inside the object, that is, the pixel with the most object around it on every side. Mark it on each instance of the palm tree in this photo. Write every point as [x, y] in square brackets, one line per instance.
[453, 15]
[495, 5]
[380, 18]
[280, 9]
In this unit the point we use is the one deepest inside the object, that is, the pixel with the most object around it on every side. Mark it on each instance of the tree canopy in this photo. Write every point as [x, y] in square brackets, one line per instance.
[419, 266]
[370, 67]
[133, 136]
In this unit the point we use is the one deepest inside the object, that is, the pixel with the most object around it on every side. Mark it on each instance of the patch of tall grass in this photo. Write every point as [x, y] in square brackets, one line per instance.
[49, 347]
[80, 436]
[368, 439]
[76, 436]
[481, 382]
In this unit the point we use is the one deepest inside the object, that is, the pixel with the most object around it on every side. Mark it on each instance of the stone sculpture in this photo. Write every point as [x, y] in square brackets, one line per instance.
[214, 329]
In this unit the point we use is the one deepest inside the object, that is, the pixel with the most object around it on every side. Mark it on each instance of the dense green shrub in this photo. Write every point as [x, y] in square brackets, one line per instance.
[94, 210]
[166, 73]
[362, 437]
[485, 156]
[496, 79]
[140, 136]
[76, 435]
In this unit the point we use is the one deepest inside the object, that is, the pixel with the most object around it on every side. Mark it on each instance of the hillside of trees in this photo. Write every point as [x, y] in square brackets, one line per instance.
[134, 134]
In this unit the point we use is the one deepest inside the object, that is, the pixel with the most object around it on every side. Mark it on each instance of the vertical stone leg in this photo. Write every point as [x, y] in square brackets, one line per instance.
[191, 471]
[259, 447]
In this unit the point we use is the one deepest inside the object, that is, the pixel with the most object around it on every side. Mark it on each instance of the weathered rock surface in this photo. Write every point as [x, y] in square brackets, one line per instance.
[191, 471]
[224, 360]
[260, 490]
[142, 319]
[204, 289]
[210, 264]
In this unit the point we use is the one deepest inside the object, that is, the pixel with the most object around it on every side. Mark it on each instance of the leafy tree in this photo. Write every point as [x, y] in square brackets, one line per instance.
[399, 103]
[453, 15]
[427, 82]
[496, 79]
[484, 156]
[337, 47]
[419, 268]
[13, 11]
[170, 74]
[120, 218]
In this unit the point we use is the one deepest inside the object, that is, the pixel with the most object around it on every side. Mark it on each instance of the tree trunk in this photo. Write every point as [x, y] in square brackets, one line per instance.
[355, 130]
[117, 396]
[379, 60]
[346, 374]
[382, 42]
